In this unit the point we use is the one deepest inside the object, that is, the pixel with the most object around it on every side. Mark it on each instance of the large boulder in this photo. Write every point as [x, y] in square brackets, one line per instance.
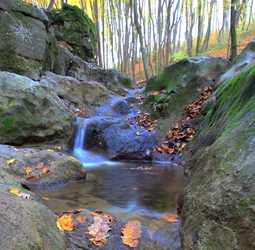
[26, 223]
[83, 94]
[217, 205]
[62, 168]
[73, 26]
[177, 86]
[31, 112]
[118, 140]
[112, 79]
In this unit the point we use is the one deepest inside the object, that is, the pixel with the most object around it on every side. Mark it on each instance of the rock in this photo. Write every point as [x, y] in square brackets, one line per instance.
[25, 223]
[180, 82]
[23, 40]
[218, 201]
[31, 112]
[73, 26]
[118, 140]
[62, 168]
[84, 94]
[112, 79]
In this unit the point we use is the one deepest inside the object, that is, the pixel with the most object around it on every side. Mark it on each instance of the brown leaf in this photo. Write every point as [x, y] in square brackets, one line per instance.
[99, 229]
[58, 148]
[170, 217]
[40, 165]
[131, 233]
[32, 178]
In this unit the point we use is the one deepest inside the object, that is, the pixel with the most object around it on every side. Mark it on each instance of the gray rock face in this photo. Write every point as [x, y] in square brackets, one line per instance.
[31, 112]
[62, 168]
[118, 140]
[217, 205]
[25, 223]
[112, 79]
[77, 94]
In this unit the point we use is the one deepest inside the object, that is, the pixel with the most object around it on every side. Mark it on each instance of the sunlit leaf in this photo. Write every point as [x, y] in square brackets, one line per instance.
[137, 133]
[131, 233]
[10, 161]
[50, 150]
[28, 170]
[170, 217]
[45, 198]
[14, 191]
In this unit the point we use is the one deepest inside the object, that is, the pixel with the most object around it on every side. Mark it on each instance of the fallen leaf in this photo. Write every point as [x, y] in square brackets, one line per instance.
[137, 133]
[132, 105]
[24, 152]
[45, 198]
[32, 178]
[16, 149]
[40, 165]
[10, 161]
[58, 148]
[170, 217]
[45, 170]
[50, 150]
[99, 229]
[14, 191]
[131, 233]
[65, 222]
[73, 158]
[80, 219]
[28, 170]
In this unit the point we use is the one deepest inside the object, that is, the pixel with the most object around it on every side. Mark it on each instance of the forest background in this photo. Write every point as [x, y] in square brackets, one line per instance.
[141, 38]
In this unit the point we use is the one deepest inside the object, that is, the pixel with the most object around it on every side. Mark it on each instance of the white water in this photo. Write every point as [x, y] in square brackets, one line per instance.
[88, 159]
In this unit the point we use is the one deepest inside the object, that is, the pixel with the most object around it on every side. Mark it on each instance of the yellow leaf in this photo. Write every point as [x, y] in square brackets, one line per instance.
[74, 158]
[14, 191]
[45, 198]
[50, 150]
[16, 149]
[28, 170]
[137, 133]
[132, 105]
[66, 222]
[10, 161]
[59, 226]
[26, 155]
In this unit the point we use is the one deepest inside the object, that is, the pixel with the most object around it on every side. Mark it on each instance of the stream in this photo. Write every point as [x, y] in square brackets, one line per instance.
[141, 191]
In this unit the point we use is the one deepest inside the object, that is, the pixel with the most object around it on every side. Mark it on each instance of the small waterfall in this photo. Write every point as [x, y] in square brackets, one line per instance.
[85, 157]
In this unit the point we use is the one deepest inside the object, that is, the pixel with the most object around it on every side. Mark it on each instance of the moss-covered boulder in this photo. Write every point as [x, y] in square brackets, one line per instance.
[73, 26]
[177, 86]
[112, 79]
[218, 204]
[26, 223]
[30, 112]
[88, 95]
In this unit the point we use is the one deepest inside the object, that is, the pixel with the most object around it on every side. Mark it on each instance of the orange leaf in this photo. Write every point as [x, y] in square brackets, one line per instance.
[65, 222]
[40, 165]
[45, 170]
[45, 198]
[32, 178]
[28, 170]
[137, 133]
[58, 148]
[170, 217]
[131, 233]
[80, 219]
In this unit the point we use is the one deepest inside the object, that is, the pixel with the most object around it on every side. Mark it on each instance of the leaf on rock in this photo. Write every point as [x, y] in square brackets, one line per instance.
[45, 198]
[14, 191]
[80, 219]
[170, 217]
[45, 170]
[16, 149]
[137, 133]
[32, 178]
[10, 161]
[50, 150]
[28, 170]
[74, 158]
[58, 148]
[131, 233]
[65, 222]
[98, 231]
[40, 165]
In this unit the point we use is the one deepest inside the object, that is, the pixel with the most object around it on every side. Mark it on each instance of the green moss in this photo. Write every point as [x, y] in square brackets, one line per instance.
[8, 122]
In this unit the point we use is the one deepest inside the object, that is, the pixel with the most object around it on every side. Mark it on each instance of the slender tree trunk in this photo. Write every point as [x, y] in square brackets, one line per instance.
[139, 31]
[51, 4]
[233, 38]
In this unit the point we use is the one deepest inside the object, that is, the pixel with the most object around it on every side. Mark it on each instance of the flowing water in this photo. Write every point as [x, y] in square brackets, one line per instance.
[128, 190]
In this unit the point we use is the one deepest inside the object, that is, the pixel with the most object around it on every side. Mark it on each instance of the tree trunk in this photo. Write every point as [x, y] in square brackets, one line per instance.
[51, 4]
[233, 39]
